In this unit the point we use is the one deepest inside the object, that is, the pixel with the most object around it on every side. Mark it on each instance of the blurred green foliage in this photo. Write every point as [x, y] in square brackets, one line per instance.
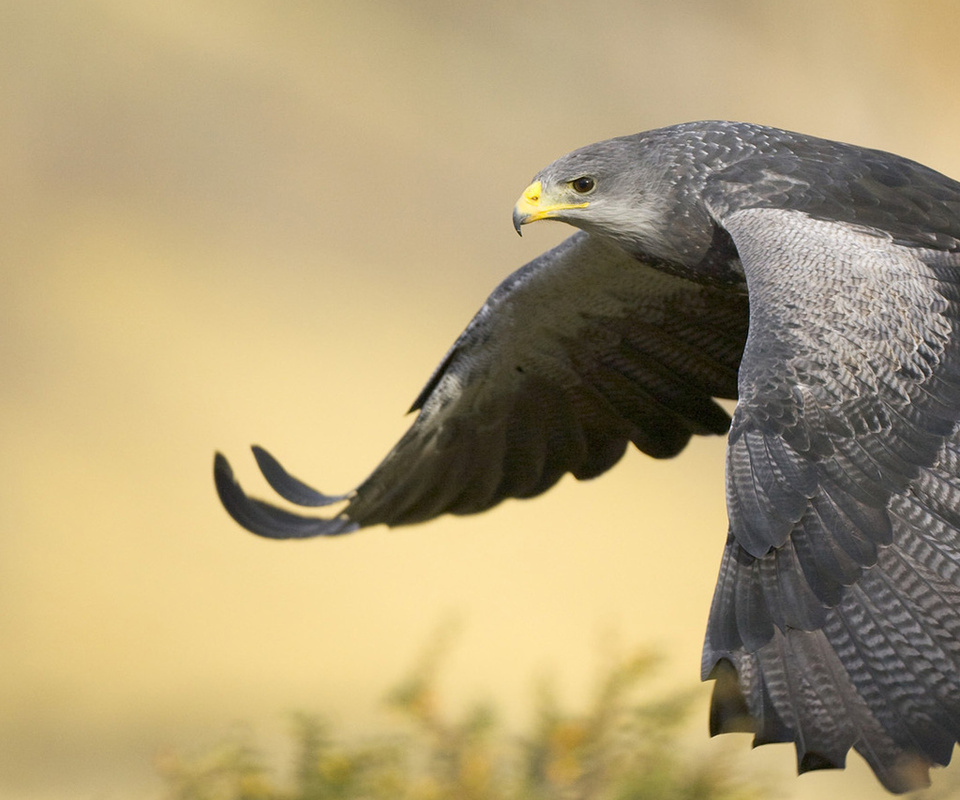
[626, 746]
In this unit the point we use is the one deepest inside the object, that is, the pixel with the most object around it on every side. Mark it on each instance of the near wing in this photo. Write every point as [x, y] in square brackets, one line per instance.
[573, 356]
[838, 602]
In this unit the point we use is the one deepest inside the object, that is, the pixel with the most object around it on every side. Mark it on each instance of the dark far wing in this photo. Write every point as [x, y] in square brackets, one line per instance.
[836, 618]
[572, 357]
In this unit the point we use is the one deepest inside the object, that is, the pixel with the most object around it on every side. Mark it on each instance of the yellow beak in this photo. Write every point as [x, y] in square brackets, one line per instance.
[532, 206]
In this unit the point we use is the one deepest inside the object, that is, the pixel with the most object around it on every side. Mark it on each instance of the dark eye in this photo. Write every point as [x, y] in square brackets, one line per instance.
[583, 185]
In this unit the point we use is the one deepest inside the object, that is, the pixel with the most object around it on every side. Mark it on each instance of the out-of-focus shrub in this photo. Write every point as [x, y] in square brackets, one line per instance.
[625, 746]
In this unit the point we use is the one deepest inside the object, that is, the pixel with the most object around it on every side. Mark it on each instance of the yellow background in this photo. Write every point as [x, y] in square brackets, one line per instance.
[252, 221]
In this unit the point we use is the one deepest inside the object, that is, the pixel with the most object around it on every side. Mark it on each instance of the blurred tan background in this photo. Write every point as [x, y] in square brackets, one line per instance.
[251, 221]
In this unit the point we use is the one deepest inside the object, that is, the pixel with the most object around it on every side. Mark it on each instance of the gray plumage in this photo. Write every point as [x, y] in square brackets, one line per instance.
[836, 619]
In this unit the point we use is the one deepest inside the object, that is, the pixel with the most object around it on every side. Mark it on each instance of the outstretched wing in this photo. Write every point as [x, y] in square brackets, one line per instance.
[573, 356]
[838, 602]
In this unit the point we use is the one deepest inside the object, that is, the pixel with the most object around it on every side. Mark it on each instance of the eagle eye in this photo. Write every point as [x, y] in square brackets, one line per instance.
[583, 185]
